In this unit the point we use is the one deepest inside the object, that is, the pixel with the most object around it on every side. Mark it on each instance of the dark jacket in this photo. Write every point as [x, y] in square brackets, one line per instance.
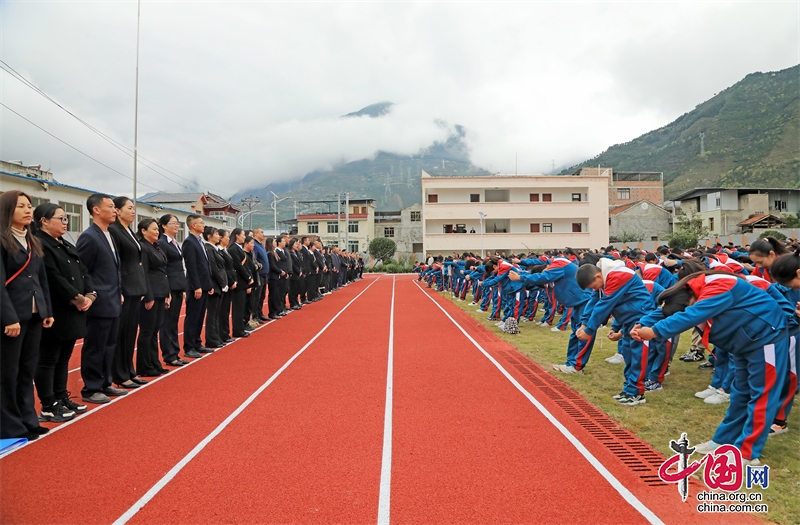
[175, 271]
[250, 265]
[16, 302]
[67, 277]
[134, 280]
[103, 266]
[297, 265]
[227, 260]
[155, 264]
[309, 263]
[284, 261]
[274, 266]
[198, 269]
[243, 275]
[319, 258]
[260, 254]
[219, 279]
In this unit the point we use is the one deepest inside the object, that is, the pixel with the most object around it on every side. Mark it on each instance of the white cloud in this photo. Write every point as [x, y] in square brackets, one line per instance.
[235, 95]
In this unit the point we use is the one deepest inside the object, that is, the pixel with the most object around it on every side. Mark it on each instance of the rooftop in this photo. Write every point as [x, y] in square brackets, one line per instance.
[698, 192]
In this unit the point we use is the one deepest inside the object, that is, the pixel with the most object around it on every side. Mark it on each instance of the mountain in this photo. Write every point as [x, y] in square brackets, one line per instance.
[392, 180]
[746, 135]
[373, 110]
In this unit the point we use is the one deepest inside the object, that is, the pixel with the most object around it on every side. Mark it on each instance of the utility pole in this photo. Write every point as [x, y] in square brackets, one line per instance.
[136, 110]
[339, 220]
[347, 221]
[251, 203]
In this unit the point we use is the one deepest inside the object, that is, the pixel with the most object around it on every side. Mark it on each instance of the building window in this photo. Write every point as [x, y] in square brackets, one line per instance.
[717, 202]
[534, 197]
[35, 201]
[547, 227]
[416, 247]
[474, 197]
[75, 214]
[433, 197]
[780, 205]
[576, 227]
[333, 227]
[416, 216]
[547, 197]
[388, 232]
[711, 224]
[217, 215]
[461, 228]
[623, 194]
[576, 197]
[355, 210]
[313, 227]
[448, 228]
[352, 227]
[352, 246]
[363, 210]
[535, 227]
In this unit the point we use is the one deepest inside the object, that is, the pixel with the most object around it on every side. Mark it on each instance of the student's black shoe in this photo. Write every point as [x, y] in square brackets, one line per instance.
[193, 354]
[72, 405]
[708, 365]
[56, 413]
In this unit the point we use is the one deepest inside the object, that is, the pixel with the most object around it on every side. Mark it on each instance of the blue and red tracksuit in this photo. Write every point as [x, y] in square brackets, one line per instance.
[733, 264]
[659, 349]
[561, 273]
[791, 386]
[534, 298]
[752, 326]
[626, 298]
[510, 291]
[659, 274]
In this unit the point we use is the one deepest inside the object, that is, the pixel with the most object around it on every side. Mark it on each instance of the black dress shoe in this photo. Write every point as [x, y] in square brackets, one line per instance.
[176, 362]
[193, 354]
[139, 381]
[229, 340]
[184, 361]
[127, 384]
[204, 350]
[212, 346]
[39, 431]
[30, 436]
[306, 302]
[274, 317]
[243, 335]
[163, 371]
[295, 307]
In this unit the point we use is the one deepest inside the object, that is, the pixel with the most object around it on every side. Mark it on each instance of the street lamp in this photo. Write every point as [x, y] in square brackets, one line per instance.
[275, 201]
[482, 216]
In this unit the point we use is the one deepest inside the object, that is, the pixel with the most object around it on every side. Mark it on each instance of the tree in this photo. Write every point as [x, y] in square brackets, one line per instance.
[792, 219]
[382, 248]
[689, 230]
[772, 233]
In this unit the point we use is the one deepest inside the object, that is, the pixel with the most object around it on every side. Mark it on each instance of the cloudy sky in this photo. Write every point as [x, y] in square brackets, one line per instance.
[236, 95]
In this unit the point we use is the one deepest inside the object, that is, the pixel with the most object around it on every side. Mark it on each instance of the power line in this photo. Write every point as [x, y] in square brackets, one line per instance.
[10, 70]
[76, 149]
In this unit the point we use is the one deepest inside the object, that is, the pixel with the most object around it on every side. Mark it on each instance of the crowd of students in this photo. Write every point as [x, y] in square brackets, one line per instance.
[742, 305]
[121, 288]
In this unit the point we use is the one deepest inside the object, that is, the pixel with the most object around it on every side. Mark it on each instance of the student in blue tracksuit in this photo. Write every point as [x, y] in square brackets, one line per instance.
[655, 272]
[785, 270]
[624, 296]
[561, 273]
[752, 326]
[509, 290]
[659, 348]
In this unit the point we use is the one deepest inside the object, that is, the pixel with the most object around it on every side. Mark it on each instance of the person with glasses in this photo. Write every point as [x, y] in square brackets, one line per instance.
[71, 295]
[176, 275]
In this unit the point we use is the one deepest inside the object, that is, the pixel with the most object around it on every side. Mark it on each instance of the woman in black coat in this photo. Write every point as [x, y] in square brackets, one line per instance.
[243, 280]
[273, 281]
[219, 283]
[156, 300]
[24, 310]
[134, 287]
[71, 295]
[225, 301]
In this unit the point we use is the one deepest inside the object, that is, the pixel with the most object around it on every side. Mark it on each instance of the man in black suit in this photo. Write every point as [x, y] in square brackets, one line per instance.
[168, 335]
[198, 277]
[309, 271]
[243, 280]
[322, 270]
[98, 252]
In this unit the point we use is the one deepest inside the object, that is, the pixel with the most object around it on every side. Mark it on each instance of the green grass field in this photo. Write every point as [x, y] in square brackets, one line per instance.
[668, 412]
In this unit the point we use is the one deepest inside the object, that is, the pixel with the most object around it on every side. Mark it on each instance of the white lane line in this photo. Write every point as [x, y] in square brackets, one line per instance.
[150, 494]
[613, 481]
[386, 461]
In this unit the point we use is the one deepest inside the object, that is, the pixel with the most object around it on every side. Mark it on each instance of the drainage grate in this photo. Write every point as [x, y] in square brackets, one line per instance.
[638, 456]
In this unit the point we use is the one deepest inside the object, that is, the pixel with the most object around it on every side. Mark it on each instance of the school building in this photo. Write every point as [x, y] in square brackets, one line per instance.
[350, 229]
[514, 213]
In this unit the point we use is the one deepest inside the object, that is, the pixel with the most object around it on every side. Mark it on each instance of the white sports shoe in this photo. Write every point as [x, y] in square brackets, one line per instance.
[567, 369]
[706, 448]
[708, 392]
[543, 324]
[501, 324]
[754, 462]
[718, 398]
[555, 329]
[616, 359]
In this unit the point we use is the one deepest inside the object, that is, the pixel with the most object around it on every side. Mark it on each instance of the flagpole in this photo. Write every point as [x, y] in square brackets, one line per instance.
[136, 109]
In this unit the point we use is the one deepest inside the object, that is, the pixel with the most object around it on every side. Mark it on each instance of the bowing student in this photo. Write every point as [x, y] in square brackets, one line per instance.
[24, 310]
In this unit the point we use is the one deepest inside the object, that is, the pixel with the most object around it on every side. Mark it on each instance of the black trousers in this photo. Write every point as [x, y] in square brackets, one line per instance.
[284, 292]
[295, 289]
[53, 368]
[98, 352]
[168, 335]
[253, 301]
[224, 316]
[238, 306]
[193, 323]
[262, 296]
[274, 297]
[122, 368]
[212, 320]
[18, 358]
[150, 322]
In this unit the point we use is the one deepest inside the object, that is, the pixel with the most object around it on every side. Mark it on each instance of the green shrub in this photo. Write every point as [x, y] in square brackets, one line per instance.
[683, 240]
[772, 233]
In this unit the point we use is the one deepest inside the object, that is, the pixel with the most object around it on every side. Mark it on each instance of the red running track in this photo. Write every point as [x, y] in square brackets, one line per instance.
[287, 426]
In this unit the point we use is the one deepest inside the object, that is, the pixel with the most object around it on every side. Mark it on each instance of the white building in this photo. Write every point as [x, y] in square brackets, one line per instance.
[351, 229]
[520, 212]
[41, 186]
[404, 227]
